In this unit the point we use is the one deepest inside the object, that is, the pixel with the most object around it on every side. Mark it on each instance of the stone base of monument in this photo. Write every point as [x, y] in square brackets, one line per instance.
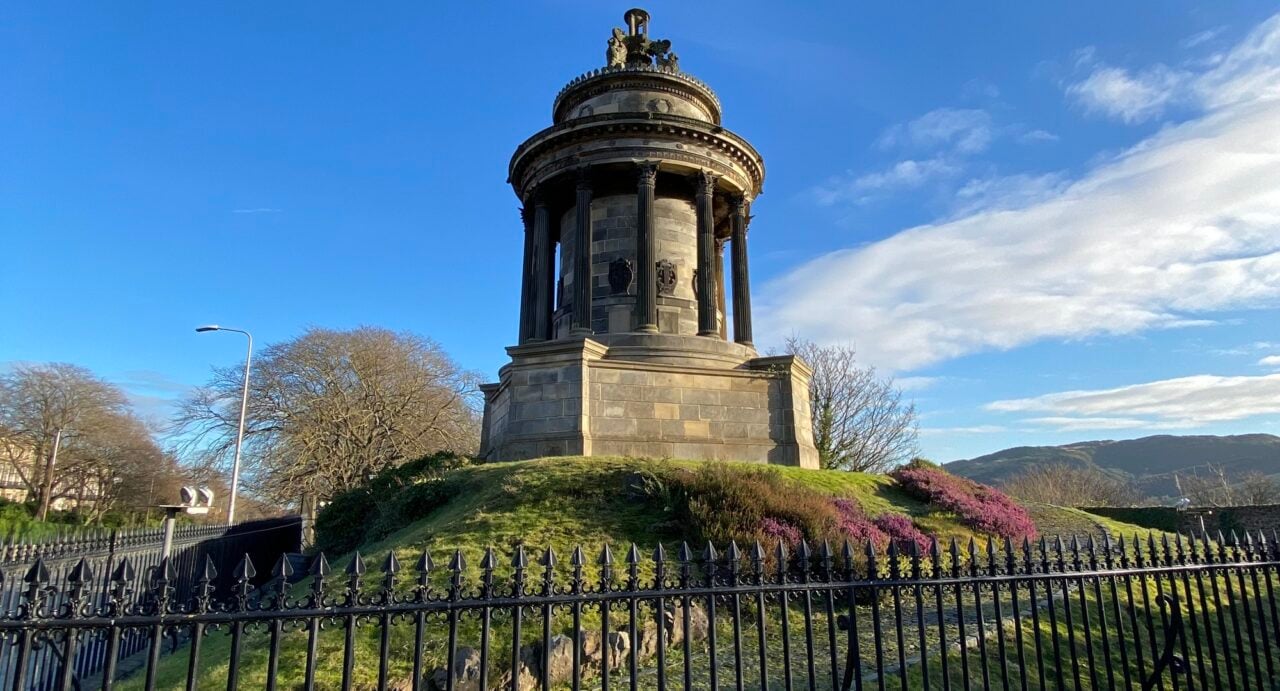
[649, 395]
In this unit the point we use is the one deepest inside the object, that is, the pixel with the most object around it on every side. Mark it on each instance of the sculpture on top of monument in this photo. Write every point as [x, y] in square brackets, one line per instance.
[634, 48]
[616, 54]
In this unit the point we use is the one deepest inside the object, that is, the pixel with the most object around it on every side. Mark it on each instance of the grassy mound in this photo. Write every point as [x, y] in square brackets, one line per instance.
[568, 501]
[439, 505]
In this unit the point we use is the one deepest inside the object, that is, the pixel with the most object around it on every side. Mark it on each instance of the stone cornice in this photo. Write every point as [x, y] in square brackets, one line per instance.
[615, 125]
[609, 78]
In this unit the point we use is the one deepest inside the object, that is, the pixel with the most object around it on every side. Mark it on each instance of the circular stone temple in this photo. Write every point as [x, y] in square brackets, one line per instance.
[625, 347]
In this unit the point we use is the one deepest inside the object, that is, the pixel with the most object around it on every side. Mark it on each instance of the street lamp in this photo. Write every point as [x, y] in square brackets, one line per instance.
[244, 403]
[192, 501]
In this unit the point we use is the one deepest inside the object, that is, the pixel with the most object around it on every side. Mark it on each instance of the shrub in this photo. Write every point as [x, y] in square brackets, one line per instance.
[980, 507]
[390, 499]
[899, 529]
[775, 531]
[719, 504]
[855, 525]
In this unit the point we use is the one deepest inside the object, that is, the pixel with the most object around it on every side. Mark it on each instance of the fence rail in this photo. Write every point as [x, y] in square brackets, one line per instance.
[80, 574]
[1168, 612]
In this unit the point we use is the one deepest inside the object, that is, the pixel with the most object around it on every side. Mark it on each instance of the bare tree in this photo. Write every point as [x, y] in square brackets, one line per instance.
[1065, 485]
[1256, 488]
[104, 451]
[1214, 486]
[330, 407]
[860, 420]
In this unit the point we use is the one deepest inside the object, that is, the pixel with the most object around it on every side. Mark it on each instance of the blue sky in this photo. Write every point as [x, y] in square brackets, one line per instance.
[1050, 223]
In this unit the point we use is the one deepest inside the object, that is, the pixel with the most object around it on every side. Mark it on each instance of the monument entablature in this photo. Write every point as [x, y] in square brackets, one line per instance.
[630, 199]
[681, 144]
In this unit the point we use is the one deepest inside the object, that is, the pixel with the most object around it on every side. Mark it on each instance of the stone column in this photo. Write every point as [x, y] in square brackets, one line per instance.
[544, 268]
[721, 309]
[528, 278]
[581, 323]
[704, 196]
[741, 277]
[646, 250]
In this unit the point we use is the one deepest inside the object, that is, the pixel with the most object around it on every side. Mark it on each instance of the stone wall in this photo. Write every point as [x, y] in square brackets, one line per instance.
[613, 220]
[1264, 517]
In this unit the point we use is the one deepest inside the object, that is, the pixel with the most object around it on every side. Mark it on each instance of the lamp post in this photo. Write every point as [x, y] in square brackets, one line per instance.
[194, 502]
[244, 403]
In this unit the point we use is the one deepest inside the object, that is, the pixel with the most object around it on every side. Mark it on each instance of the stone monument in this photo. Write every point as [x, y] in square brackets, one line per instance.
[629, 199]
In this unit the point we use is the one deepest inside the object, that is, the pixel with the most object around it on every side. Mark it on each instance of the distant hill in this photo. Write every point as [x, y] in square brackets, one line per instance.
[1150, 461]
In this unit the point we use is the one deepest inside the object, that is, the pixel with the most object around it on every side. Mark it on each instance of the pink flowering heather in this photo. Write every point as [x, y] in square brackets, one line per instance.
[978, 506]
[853, 522]
[780, 531]
[903, 532]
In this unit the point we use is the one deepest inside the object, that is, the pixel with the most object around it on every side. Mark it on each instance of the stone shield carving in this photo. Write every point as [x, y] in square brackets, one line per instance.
[620, 276]
[666, 278]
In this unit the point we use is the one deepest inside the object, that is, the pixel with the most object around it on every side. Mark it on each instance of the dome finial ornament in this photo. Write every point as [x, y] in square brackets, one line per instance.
[633, 48]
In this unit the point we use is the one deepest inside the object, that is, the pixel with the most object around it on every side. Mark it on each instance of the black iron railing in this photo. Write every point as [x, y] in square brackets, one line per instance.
[79, 573]
[1161, 612]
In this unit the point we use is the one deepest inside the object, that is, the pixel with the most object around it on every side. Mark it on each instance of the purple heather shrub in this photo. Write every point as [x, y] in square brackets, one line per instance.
[902, 532]
[780, 531]
[855, 525]
[980, 507]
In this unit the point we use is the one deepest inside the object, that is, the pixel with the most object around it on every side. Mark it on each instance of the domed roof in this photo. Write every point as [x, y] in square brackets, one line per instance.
[641, 75]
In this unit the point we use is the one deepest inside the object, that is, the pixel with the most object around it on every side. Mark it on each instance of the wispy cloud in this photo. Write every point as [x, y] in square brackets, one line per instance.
[1183, 402]
[963, 130]
[1128, 96]
[976, 429]
[1270, 361]
[1036, 137]
[861, 189]
[1180, 226]
[916, 383]
[1201, 37]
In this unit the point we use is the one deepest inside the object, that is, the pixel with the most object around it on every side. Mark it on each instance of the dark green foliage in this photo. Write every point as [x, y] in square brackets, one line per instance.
[720, 503]
[393, 498]
[1153, 517]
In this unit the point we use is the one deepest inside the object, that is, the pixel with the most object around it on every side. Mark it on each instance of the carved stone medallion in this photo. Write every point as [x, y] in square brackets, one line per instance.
[666, 278]
[620, 276]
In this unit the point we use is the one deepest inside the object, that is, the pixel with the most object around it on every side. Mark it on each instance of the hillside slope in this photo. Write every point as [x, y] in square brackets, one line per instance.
[1150, 461]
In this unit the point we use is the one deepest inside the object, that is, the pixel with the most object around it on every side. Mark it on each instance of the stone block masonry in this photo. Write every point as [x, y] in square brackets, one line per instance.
[570, 397]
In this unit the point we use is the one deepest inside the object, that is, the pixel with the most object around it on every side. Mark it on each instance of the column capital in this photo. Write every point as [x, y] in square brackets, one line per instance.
[647, 173]
[704, 182]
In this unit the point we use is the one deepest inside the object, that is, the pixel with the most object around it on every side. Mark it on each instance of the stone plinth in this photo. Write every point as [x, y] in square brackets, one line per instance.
[649, 395]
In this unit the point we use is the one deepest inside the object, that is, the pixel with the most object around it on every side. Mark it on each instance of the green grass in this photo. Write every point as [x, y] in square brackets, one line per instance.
[558, 503]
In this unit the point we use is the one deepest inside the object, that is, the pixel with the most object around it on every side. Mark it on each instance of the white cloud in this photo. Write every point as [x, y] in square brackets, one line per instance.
[1080, 424]
[977, 429]
[964, 130]
[1201, 37]
[901, 175]
[1270, 361]
[1037, 137]
[1129, 96]
[1165, 404]
[915, 383]
[1007, 192]
[1184, 224]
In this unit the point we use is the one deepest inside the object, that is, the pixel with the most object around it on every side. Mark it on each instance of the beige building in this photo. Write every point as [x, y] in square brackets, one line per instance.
[631, 198]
